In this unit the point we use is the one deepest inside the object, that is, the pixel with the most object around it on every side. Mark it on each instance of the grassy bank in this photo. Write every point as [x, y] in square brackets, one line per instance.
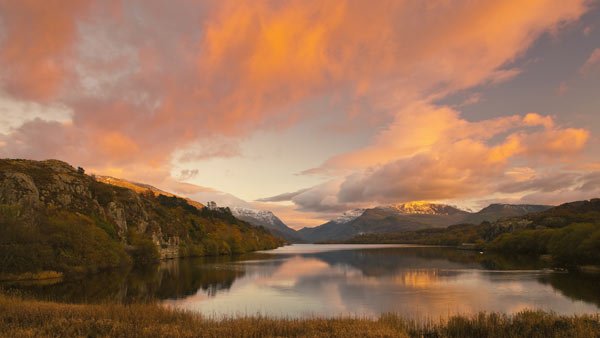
[30, 318]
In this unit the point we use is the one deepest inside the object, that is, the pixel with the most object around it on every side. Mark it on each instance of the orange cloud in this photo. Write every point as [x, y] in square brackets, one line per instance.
[38, 40]
[433, 154]
[147, 81]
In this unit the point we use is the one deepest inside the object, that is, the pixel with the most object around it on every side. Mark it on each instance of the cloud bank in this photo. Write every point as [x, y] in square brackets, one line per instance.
[150, 83]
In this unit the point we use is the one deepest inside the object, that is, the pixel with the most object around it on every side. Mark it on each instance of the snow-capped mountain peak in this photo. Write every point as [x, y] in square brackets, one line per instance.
[348, 216]
[424, 208]
[264, 216]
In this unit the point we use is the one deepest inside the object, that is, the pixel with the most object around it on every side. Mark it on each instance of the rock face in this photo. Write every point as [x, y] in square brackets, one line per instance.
[56, 184]
[39, 188]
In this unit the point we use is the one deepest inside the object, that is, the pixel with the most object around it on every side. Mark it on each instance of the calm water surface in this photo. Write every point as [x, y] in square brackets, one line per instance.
[333, 280]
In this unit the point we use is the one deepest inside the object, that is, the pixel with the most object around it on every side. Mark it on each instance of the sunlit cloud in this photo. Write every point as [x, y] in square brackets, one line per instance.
[144, 88]
[441, 156]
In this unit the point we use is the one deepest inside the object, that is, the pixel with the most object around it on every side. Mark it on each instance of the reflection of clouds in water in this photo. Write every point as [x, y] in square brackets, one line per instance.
[370, 283]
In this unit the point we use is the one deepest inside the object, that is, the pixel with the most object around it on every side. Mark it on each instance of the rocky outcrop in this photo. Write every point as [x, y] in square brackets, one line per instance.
[18, 188]
[56, 184]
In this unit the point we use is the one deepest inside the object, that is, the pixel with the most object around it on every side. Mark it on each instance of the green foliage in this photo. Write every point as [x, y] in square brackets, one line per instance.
[143, 251]
[103, 193]
[576, 244]
[61, 241]
[105, 225]
[174, 202]
[79, 245]
[526, 242]
[573, 245]
[454, 235]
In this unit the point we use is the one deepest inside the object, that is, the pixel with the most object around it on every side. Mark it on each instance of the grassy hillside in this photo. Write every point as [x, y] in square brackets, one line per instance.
[26, 318]
[55, 219]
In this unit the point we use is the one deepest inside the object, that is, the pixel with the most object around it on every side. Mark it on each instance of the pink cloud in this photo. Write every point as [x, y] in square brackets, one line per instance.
[592, 63]
[38, 39]
[149, 80]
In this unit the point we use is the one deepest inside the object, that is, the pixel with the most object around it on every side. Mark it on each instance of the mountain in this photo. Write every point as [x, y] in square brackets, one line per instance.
[245, 211]
[568, 236]
[391, 218]
[410, 217]
[494, 212]
[239, 208]
[348, 216]
[55, 218]
[268, 220]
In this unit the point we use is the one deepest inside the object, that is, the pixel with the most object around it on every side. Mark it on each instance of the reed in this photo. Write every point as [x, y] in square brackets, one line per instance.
[20, 317]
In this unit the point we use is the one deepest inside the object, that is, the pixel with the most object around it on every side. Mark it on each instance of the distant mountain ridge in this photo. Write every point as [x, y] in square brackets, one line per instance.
[497, 211]
[410, 217]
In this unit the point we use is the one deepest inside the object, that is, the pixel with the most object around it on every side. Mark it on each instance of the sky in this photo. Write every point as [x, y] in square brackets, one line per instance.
[311, 108]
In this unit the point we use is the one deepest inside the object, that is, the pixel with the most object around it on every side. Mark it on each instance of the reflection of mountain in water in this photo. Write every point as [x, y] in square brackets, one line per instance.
[366, 276]
[388, 261]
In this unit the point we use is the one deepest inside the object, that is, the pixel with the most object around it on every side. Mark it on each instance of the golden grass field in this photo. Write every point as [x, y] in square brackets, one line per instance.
[20, 317]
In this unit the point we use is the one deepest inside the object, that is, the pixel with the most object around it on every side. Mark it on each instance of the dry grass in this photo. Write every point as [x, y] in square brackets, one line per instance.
[30, 318]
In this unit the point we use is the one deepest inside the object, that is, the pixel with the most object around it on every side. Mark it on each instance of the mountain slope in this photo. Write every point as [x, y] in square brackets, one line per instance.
[494, 212]
[411, 217]
[239, 208]
[141, 188]
[268, 220]
[56, 218]
[394, 218]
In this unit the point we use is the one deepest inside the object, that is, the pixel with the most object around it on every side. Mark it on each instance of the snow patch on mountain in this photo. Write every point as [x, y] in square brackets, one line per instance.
[348, 216]
[263, 217]
[424, 208]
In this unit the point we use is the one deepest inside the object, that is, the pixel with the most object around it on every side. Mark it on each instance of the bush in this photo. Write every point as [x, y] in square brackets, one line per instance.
[143, 251]
[62, 241]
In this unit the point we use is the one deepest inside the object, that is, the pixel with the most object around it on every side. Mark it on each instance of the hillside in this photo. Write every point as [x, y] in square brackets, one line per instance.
[56, 218]
[409, 217]
[141, 188]
[568, 234]
[262, 218]
[495, 212]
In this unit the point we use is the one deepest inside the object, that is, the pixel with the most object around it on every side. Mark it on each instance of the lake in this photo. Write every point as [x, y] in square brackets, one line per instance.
[333, 280]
